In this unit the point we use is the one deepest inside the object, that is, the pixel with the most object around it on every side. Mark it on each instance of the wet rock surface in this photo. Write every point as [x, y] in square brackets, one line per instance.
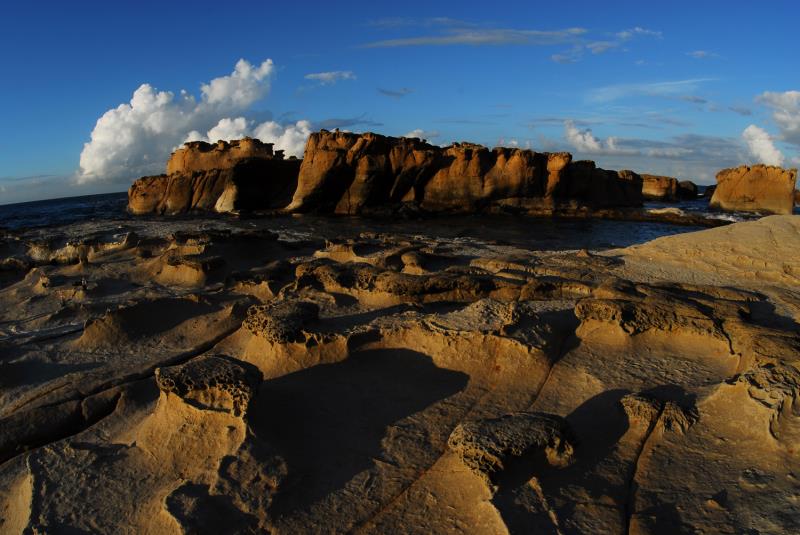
[213, 375]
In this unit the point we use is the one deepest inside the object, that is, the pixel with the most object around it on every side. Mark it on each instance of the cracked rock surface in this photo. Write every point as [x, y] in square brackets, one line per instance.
[322, 376]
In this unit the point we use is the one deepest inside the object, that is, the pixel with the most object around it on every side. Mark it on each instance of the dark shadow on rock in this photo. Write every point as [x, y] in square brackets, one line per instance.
[197, 511]
[664, 519]
[37, 373]
[598, 424]
[685, 400]
[328, 421]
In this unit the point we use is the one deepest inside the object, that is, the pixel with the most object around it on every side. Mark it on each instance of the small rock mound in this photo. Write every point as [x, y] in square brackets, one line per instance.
[281, 322]
[213, 382]
[487, 445]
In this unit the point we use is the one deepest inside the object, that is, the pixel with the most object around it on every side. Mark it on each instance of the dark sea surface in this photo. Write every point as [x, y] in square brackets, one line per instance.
[109, 210]
[57, 212]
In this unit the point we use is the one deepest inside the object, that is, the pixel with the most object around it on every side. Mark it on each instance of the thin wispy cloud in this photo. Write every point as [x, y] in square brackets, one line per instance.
[347, 122]
[600, 46]
[399, 22]
[741, 110]
[651, 89]
[484, 36]
[701, 54]
[694, 99]
[572, 55]
[330, 77]
[395, 93]
[638, 30]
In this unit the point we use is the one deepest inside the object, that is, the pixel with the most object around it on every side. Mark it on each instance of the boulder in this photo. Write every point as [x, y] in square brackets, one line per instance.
[351, 173]
[757, 188]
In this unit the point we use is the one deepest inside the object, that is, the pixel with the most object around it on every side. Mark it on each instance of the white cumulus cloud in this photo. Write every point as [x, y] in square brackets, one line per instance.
[582, 140]
[330, 77]
[136, 138]
[289, 138]
[585, 141]
[422, 134]
[761, 146]
[786, 113]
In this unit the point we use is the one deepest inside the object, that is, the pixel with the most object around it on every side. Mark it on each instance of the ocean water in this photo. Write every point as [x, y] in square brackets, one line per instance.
[58, 212]
[98, 213]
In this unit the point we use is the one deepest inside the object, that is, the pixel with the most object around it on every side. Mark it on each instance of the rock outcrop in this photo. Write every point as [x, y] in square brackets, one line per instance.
[242, 175]
[355, 173]
[687, 189]
[757, 188]
[213, 376]
[202, 156]
[665, 188]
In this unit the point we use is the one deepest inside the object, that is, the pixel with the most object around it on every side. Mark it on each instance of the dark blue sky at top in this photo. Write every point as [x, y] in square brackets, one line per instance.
[695, 69]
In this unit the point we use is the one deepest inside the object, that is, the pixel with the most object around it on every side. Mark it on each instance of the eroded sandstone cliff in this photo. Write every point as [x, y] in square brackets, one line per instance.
[202, 156]
[359, 173]
[240, 175]
[353, 173]
[757, 188]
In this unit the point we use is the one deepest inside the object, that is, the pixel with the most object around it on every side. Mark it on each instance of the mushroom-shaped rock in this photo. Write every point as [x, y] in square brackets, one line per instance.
[282, 321]
[212, 382]
[487, 445]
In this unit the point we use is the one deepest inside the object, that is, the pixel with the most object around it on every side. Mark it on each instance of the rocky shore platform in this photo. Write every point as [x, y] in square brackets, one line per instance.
[216, 376]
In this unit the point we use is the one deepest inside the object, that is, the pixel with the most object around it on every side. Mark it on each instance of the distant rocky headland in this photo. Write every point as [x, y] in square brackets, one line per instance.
[360, 174]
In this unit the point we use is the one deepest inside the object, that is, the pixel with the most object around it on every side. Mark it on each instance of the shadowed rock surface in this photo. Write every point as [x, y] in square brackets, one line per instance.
[250, 376]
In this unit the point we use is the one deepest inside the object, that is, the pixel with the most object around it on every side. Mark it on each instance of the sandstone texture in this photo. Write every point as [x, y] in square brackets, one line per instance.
[342, 375]
[757, 188]
[355, 173]
[242, 175]
[202, 156]
[371, 174]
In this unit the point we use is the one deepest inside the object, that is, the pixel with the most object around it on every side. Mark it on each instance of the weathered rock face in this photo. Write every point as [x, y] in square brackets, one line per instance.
[221, 178]
[201, 156]
[352, 173]
[372, 376]
[665, 188]
[757, 188]
[659, 188]
[687, 189]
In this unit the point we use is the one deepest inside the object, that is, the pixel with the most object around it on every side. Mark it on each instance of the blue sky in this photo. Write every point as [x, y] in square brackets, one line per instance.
[677, 88]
